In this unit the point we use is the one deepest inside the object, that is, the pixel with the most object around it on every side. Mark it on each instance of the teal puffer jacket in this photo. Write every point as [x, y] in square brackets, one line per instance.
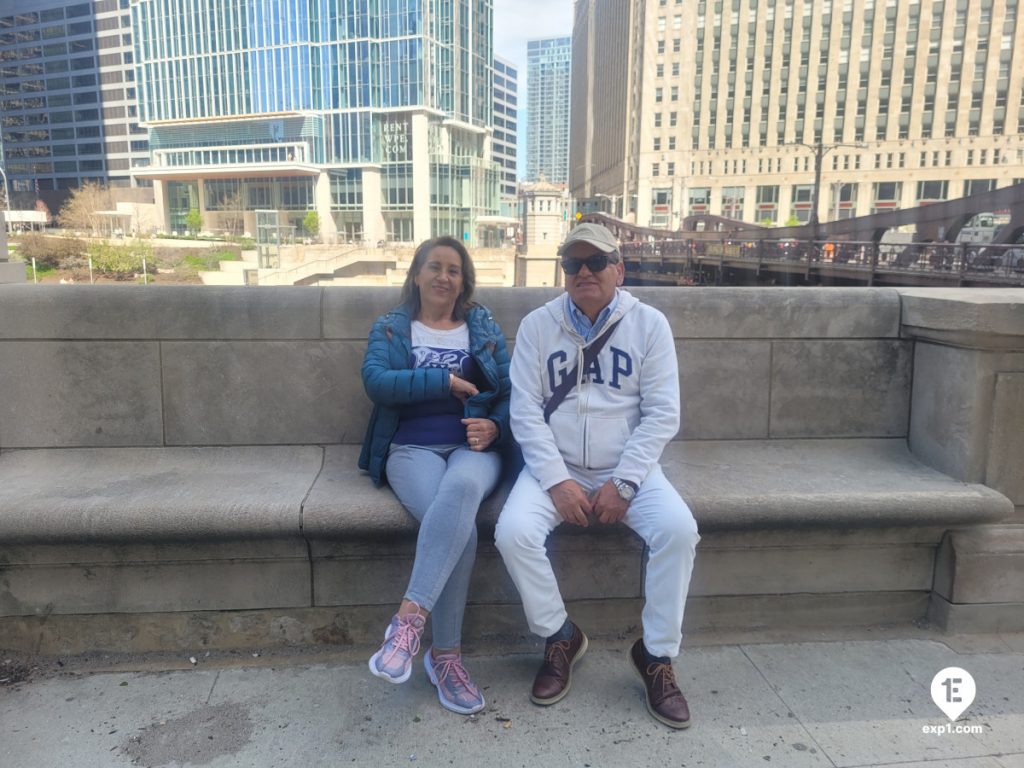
[391, 383]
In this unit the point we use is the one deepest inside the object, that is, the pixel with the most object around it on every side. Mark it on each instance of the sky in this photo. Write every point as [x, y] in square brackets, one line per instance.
[515, 22]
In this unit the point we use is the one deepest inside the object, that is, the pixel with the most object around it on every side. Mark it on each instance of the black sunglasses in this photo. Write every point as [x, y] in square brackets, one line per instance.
[595, 263]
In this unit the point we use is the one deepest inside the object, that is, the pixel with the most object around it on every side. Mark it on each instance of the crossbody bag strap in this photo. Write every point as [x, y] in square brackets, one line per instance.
[569, 382]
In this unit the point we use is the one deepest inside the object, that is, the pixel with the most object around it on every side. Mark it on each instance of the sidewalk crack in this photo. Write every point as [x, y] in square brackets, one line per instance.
[210, 694]
[810, 736]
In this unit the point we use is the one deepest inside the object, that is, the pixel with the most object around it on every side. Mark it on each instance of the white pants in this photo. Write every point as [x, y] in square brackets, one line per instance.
[657, 513]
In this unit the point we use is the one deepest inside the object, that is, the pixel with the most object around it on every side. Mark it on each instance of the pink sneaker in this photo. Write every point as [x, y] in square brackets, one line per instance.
[393, 661]
[455, 690]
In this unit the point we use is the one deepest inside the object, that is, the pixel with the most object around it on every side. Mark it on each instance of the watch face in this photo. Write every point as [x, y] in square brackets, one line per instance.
[626, 491]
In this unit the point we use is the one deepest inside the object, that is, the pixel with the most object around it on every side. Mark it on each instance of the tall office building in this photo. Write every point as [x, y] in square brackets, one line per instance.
[902, 103]
[376, 116]
[604, 90]
[506, 131]
[67, 98]
[548, 78]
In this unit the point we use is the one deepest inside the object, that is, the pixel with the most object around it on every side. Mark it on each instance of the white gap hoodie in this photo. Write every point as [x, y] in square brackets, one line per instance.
[622, 412]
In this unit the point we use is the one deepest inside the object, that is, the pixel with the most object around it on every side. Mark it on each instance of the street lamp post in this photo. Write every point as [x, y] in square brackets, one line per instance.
[614, 202]
[7, 192]
[820, 150]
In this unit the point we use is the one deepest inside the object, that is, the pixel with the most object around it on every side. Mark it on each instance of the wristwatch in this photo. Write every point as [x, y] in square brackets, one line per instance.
[627, 489]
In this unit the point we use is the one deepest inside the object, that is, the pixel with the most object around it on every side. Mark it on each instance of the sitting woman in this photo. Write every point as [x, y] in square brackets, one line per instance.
[436, 369]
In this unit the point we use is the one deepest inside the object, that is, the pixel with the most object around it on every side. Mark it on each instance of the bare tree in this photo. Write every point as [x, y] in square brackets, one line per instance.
[232, 215]
[81, 210]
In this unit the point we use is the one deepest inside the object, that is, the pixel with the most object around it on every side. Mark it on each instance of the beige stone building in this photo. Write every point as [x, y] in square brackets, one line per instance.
[731, 105]
[544, 212]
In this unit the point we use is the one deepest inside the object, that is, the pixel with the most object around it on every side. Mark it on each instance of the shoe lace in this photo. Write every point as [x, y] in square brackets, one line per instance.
[662, 674]
[557, 654]
[449, 669]
[406, 637]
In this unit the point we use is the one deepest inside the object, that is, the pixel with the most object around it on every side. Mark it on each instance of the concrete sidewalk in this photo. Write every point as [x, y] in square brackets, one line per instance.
[829, 703]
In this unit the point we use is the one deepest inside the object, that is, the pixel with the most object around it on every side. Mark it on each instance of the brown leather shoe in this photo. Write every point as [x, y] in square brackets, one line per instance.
[665, 701]
[554, 678]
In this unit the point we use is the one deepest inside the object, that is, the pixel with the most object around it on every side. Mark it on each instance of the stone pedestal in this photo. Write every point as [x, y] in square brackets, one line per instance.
[967, 420]
[10, 271]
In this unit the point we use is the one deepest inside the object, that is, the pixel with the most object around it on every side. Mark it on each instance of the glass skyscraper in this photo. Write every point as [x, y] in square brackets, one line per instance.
[67, 98]
[374, 113]
[548, 77]
[506, 130]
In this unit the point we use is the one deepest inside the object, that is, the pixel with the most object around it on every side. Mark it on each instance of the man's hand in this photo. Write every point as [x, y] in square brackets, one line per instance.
[608, 505]
[571, 502]
[480, 433]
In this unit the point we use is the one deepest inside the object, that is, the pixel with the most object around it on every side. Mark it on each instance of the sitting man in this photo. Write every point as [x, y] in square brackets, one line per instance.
[595, 400]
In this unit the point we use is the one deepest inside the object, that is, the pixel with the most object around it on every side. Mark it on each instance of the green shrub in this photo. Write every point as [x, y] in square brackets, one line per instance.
[193, 220]
[122, 262]
[311, 223]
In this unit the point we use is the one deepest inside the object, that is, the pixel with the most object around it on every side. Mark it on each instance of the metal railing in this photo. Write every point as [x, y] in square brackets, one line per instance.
[956, 262]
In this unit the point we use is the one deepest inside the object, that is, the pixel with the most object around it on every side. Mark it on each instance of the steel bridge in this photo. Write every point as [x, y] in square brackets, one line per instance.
[716, 250]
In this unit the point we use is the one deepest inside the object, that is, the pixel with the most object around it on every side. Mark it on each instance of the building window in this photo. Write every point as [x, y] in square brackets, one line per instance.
[887, 196]
[700, 200]
[932, 190]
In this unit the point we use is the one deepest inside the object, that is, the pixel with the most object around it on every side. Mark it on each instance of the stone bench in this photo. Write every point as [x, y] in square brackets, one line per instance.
[178, 468]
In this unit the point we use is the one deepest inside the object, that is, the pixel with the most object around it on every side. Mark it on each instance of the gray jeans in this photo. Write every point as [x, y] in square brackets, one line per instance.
[442, 487]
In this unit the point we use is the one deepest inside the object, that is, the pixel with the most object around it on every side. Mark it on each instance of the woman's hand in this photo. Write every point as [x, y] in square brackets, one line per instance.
[480, 433]
[461, 388]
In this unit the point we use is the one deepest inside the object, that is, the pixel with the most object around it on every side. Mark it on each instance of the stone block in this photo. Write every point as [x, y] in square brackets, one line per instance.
[988, 618]
[980, 318]
[777, 313]
[161, 312]
[69, 394]
[189, 631]
[842, 567]
[150, 495]
[725, 388]
[258, 393]
[792, 611]
[194, 576]
[853, 388]
[761, 485]
[12, 272]
[601, 565]
[344, 503]
[982, 565]
[1005, 469]
[348, 312]
[511, 306]
[949, 407]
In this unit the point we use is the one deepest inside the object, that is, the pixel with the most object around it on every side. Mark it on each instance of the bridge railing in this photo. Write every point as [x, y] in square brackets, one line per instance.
[1002, 263]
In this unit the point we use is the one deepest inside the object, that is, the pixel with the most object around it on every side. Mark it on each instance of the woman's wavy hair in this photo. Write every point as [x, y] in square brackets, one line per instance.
[411, 294]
